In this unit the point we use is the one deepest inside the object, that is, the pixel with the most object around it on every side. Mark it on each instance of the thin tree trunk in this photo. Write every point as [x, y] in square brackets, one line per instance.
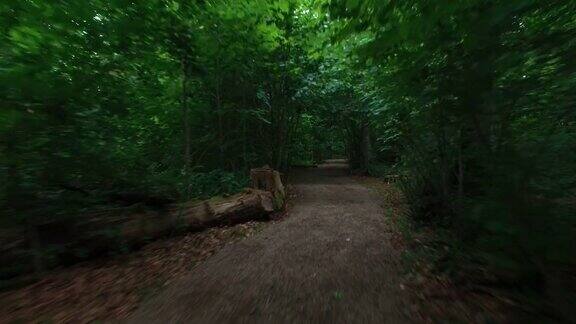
[244, 133]
[219, 112]
[220, 121]
[36, 247]
[366, 149]
[460, 172]
[186, 114]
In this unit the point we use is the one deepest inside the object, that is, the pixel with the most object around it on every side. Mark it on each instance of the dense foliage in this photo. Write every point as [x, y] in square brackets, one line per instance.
[110, 103]
[162, 97]
[471, 102]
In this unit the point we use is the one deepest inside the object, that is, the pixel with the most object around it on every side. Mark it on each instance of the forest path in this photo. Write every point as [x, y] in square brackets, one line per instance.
[330, 261]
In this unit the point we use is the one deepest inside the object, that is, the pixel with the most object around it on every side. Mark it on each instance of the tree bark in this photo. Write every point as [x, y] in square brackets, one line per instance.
[366, 146]
[103, 231]
[186, 114]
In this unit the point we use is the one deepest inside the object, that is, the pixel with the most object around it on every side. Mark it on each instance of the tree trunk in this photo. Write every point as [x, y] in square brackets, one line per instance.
[186, 114]
[36, 248]
[269, 180]
[366, 146]
[104, 231]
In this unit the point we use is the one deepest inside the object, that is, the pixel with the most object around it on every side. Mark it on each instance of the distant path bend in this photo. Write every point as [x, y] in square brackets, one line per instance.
[330, 261]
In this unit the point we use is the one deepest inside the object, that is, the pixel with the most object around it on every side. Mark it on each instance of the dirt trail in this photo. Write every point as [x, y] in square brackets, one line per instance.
[330, 261]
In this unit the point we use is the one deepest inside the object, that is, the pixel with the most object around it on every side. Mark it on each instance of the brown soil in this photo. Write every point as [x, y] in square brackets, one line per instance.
[111, 289]
[331, 261]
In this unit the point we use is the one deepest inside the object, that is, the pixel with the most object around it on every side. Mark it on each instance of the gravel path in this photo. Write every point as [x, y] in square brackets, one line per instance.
[329, 261]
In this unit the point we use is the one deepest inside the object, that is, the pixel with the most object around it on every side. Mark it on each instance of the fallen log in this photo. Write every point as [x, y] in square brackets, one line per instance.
[134, 228]
[110, 230]
[116, 229]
